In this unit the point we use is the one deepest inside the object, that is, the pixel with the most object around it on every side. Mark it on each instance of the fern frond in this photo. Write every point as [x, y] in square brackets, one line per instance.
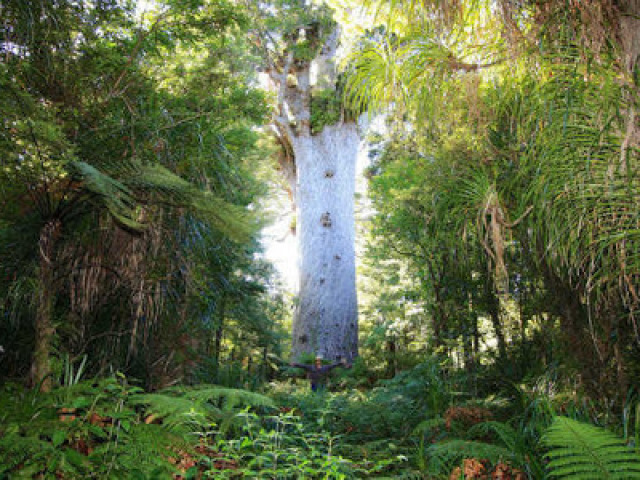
[505, 433]
[232, 396]
[16, 449]
[232, 220]
[181, 408]
[121, 187]
[582, 452]
[117, 197]
[177, 413]
[427, 426]
[446, 455]
[149, 449]
[173, 190]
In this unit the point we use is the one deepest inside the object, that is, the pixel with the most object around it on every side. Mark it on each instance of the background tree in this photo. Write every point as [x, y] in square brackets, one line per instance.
[93, 132]
[548, 105]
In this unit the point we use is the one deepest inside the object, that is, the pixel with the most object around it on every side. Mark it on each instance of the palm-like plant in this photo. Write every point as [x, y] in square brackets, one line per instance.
[551, 138]
[74, 149]
[81, 190]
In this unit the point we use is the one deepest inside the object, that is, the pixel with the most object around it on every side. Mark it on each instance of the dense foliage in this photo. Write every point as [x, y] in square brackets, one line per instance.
[506, 188]
[142, 330]
[127, 180]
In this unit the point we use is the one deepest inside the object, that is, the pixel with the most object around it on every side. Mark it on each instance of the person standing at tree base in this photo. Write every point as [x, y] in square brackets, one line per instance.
[317, 373]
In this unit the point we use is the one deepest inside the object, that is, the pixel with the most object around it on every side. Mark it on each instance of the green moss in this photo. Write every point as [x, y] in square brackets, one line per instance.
[327, 108]
[305, 50]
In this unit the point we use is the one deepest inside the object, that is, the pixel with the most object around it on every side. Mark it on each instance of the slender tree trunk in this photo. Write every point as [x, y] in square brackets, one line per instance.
[219, 331]
[44, 327]
[266, 370]
[475, 349]
[493, 304]
[524, 322]
[469, 337]
[439, 314]
[467, 348]
[476, 337]
[392, 359]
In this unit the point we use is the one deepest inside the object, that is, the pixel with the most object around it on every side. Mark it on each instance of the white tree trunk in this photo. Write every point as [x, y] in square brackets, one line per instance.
[324, 165]
[326, 319]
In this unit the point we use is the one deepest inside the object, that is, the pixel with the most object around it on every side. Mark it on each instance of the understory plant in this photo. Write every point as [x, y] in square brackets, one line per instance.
[282, 447]
[112, 429]
[579, 451]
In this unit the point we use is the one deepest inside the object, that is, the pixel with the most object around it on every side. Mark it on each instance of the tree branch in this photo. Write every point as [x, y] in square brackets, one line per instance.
[455, 64]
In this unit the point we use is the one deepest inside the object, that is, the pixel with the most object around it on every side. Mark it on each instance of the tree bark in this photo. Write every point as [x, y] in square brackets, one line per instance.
[493, 305]
[44, 327]
[630, 33]
[218, 333]
[326, 320]
[439, 312]
[392, 360]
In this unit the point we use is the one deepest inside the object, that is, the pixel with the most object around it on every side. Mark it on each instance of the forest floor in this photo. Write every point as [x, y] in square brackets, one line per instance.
[416, 425]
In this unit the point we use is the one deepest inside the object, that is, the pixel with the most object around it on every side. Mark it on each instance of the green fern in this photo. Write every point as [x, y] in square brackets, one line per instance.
[186, 409]
[505, 433]
[36, 442]
[430, 426]
[230, 397]
[579, 451]
[116, 196]
[148, 450]
[177, 413]
[443, 457]
[121, 187]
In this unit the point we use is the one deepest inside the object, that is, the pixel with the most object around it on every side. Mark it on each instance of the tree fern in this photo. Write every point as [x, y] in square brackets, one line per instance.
[579, 451]
[120, 188]
[117, 198]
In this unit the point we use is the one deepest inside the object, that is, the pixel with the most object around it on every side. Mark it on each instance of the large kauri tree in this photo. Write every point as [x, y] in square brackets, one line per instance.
[320, 143]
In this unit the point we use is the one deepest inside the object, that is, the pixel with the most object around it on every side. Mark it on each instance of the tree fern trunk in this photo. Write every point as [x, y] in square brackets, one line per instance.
[44, 327]
[219, 331]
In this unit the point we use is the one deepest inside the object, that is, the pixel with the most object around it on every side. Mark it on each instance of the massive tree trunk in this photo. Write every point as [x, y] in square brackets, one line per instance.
[326, 318]
[322, 161]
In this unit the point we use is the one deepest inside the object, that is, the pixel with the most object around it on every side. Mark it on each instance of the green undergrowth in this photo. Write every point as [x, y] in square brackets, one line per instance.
[424, 426]
[416, 425]
[113, 429]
